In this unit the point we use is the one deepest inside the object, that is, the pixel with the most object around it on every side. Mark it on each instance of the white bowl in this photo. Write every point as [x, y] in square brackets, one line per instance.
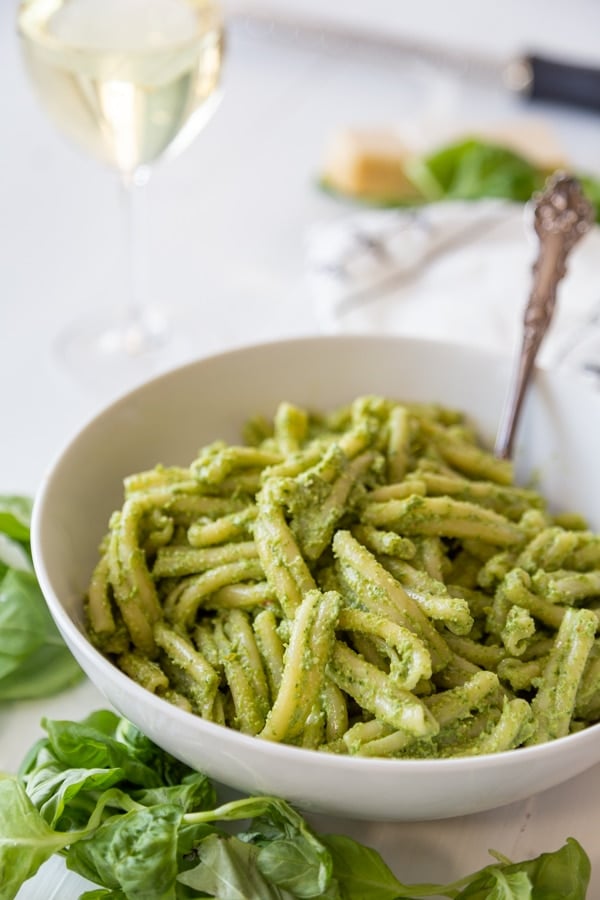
[168, 419]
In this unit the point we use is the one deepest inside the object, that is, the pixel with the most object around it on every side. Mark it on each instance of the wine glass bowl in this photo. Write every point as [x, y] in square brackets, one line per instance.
[127, 91]
[130, 83]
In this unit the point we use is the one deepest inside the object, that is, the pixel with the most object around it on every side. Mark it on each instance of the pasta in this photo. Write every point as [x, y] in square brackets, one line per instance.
[369, 581]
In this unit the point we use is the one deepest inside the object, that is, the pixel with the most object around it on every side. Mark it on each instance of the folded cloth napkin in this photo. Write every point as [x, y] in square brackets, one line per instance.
[452, 271]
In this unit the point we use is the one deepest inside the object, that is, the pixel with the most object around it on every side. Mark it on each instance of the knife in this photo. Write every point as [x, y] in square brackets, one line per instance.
[534, 76]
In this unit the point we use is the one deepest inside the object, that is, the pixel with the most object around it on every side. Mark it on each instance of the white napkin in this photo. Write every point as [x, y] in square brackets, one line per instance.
[452, 271]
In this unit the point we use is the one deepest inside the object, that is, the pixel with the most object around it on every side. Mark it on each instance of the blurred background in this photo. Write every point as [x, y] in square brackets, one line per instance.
[502, 30]
[228, 220]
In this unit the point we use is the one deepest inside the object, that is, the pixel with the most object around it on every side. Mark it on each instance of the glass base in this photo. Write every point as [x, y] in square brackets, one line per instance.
[141, 337]
[107, 353]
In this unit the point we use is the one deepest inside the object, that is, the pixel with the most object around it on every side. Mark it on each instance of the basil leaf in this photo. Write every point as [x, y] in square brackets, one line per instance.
[296, 866]
[565, 873]
[498, 885]
[105, 721]
[24, 617]
[15, 517]
[34, 660]
[306, 869]
[140, 747]
[361, 872]
[135, 852]
[562, 874]
[471, 169]
[196, 792]
[8, 664]
[26, 840]
[13, 555]
[53, 790]
[228, 870]
[47, 671]
[82, 745]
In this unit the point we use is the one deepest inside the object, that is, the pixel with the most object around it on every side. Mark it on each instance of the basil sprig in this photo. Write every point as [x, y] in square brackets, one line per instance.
[132, 819]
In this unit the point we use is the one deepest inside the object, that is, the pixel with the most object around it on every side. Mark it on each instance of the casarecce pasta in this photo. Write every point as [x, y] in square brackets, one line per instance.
[370, 581]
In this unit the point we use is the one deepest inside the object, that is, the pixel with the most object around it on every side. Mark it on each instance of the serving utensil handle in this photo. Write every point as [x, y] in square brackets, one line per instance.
[556, 81]
[562, 215]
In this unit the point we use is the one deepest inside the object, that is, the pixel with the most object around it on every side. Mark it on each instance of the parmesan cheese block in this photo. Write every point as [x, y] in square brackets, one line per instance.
[369, 163]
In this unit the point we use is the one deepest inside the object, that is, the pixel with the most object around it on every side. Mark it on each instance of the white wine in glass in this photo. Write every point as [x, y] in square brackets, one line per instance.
[130, 82]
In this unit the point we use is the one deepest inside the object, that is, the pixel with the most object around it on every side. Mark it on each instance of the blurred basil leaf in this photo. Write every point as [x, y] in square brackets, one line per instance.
[34, 660]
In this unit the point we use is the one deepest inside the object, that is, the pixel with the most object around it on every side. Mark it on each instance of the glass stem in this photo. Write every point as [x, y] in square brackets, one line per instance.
[137, 335]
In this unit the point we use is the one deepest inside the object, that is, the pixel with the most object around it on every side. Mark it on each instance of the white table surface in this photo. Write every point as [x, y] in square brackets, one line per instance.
[227, 224]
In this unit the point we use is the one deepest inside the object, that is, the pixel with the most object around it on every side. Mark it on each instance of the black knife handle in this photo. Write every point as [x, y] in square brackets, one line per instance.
[561, 82]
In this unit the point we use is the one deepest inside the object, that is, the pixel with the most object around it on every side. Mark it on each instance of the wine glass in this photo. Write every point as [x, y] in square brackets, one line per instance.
[130, 82]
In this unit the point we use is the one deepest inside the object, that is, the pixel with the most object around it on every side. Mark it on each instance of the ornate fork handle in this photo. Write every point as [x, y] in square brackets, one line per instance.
[562, 216]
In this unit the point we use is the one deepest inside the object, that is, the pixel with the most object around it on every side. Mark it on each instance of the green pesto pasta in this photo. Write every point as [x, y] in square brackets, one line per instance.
[368, 580]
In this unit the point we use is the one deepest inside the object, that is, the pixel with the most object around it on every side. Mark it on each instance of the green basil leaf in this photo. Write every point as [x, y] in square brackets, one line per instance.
[46, 671]
[471, 169]
[41, 662]
[8, 664]
[15, 517]
[196, 792]
[24, 617]
[134, 852]
[104, 720]
[275, 821]
[295, 866]
[121, 741]
[564, 873]
[13, 555]
[188, 840]
[81, 745]
[26, 840]
[53, 789]
[228, 870]
[361, 872]
[498, 885]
